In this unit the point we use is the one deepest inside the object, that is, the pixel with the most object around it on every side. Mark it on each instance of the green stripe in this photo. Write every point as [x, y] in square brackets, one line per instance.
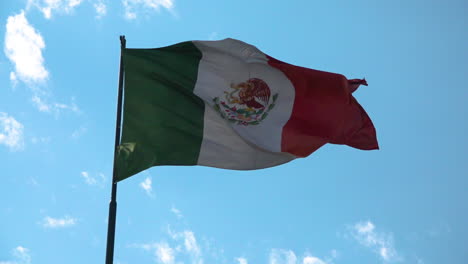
[162, 118]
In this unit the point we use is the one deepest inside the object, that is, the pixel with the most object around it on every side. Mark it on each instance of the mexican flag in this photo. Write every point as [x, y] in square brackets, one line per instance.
[228, 105]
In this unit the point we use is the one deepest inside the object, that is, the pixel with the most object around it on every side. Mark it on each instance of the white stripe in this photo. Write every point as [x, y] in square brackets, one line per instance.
[231, 61]
[222, 147]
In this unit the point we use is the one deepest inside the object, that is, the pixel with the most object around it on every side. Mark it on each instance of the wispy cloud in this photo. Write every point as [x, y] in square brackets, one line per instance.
[40, 104]
[43, 105]
[42, 140]
[97, 179]
[163, 253]
[242, 260]
[11, 132]
[191, 246]
[88, 179]
[13, 79]
[79, 132]
[133, 7]
[23, 47]
[61, 106]
[365, 234]
[100, 8]
[49, 222]
[47, 7]
[177, 212]
[146, 185]
[21, 256]
[189, 241]
[8, 262]
[287, 256]
[282, 256]
[184, 243]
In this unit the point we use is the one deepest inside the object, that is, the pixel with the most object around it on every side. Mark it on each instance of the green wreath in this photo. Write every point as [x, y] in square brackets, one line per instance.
[262, 113]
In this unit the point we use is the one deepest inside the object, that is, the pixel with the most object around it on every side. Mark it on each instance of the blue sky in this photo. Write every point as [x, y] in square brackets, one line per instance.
[406, 203]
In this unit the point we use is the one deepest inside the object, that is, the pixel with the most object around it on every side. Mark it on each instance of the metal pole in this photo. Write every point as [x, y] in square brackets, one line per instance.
[113, 201]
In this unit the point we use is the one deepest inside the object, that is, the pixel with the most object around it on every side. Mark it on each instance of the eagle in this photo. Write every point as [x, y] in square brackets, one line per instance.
[254, 93]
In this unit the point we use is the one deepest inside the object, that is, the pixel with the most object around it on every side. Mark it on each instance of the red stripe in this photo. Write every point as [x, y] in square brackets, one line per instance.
[324, 111]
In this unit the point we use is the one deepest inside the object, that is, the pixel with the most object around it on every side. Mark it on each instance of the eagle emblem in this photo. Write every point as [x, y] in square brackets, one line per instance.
[246, 103]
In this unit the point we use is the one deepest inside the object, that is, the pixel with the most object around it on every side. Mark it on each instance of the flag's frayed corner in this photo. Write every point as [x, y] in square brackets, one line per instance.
[353, 84]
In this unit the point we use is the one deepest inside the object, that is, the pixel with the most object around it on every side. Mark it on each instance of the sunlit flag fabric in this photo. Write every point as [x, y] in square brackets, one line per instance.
[226, 104]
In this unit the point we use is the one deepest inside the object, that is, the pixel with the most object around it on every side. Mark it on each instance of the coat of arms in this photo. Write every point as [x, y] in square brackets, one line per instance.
[247, 103]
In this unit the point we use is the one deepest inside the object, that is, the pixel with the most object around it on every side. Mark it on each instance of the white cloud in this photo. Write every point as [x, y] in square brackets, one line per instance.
[282, 256]
[88, 179]
[364, 227]
[312, 260]
[72, 107]
[190, 244]
[146, 185]
[98, 179]
[365, 234]
[44, 106]
[11, 132]
[41, 105]
[21, 255]
[79, 132]
[13, 79]
[131, 7]
[177, 212]
[43, 140]
[242, 260]
[101, 9]
[66, 221]
[163, 253]
[23, 47]
[148, 246]
[184, 244]
[59, 6]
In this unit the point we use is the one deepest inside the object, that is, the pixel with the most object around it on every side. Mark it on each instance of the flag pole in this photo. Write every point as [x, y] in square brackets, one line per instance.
[113, 201]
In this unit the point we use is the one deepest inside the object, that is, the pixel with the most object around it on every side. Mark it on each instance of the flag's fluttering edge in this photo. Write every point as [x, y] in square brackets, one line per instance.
[226, 104]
